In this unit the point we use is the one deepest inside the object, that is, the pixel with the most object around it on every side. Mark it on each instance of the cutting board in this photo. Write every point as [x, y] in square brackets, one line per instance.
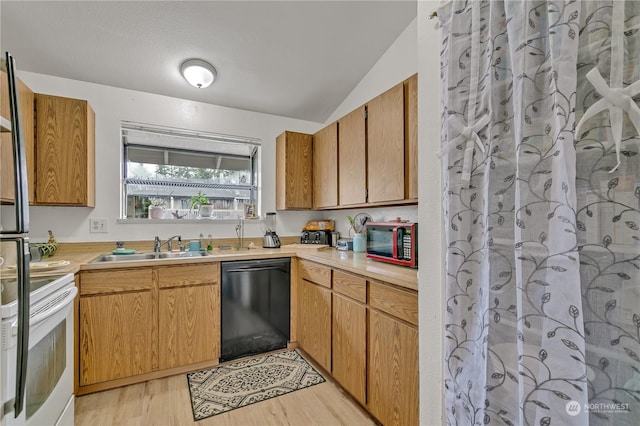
[299, 246]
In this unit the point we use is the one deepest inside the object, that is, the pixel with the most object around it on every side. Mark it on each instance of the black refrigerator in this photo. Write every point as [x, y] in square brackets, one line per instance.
[14, 221]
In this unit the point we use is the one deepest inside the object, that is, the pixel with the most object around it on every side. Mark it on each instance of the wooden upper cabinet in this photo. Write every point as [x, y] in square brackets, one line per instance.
[65, 151]
[385, 146]
[325, 167]
[25, 101]
[368, 157]
[411, 137]
[294, 171]
[352, 150]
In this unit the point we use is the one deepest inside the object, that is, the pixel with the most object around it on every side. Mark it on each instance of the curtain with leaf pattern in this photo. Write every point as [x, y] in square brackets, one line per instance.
[540, 141]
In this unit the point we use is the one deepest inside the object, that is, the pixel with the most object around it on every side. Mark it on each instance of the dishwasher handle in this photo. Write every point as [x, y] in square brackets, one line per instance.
[255, 269]
[256, 265]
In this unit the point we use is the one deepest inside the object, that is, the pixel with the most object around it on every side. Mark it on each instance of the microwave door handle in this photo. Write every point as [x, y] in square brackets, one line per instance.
[394, 245]
[19, 154]
[400, 242]
[23, 258]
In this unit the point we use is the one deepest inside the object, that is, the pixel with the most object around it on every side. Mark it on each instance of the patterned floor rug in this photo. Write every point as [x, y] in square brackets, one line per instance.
[240, 383]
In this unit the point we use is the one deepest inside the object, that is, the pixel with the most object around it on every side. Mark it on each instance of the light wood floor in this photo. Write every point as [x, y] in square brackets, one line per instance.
[166, 402]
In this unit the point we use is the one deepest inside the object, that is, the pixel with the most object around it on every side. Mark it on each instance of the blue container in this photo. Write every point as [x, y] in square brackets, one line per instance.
[359, 243]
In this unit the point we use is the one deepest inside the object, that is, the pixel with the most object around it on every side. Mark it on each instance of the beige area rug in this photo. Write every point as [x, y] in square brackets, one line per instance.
[240, 383]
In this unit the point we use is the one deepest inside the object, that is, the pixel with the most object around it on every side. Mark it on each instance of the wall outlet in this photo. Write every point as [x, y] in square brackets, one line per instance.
[97, 225]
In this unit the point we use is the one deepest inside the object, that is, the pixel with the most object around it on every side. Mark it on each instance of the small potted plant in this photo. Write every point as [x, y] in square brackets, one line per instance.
[156, 208]
[201, 203]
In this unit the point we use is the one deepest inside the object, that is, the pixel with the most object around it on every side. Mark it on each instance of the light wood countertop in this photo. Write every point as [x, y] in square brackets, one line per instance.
[356, 263]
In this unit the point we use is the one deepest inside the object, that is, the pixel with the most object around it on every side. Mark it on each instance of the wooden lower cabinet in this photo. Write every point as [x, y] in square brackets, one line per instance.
[115, 336]
[370, 341]
[349, 349]
[147, 322]
[188, 326]
[314, 322]
[393, 370]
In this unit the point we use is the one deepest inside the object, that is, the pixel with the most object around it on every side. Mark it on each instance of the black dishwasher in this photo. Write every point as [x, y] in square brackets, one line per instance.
[255, 306]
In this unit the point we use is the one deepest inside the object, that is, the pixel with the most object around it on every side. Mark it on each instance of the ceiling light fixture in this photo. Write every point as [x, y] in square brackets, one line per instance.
[198, 73]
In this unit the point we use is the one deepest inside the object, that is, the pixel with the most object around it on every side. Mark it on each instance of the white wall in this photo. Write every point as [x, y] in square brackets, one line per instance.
[112, 105]
[431, 274]
[397, 64]
[417, 49]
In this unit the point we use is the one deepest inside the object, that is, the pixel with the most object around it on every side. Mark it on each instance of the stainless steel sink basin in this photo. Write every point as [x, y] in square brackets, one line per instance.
[174, 254]
[147, 256]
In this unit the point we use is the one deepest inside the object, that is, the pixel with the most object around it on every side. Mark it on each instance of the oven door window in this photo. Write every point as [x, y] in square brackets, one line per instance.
[47, 361]
[380, 241]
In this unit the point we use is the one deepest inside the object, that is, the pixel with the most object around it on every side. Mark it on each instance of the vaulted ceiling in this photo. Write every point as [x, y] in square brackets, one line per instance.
[296, 59]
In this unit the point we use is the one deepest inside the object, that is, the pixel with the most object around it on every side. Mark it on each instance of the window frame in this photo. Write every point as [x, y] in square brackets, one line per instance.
[254, 159]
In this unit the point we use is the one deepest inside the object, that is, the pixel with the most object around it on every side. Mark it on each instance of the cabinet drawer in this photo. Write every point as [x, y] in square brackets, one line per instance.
[315, 273]
[350, 285]
[399, 303]
[186, 275]
[115, 281]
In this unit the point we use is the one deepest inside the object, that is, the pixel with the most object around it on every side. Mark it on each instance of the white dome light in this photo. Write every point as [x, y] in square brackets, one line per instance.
[198, 73]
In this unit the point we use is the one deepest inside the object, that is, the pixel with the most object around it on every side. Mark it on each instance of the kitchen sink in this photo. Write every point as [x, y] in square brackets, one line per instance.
[147, 256]
[174, 254]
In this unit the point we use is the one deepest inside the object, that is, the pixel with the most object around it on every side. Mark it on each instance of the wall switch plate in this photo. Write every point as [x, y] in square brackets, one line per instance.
[97, 225]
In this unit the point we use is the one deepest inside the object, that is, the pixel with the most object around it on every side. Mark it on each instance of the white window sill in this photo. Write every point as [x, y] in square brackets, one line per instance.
[172, 221]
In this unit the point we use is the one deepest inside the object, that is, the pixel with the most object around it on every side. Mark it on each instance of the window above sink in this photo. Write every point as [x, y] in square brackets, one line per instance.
[168, 173]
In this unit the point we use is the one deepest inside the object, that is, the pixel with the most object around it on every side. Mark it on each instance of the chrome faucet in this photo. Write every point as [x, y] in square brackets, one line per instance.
[157, 244]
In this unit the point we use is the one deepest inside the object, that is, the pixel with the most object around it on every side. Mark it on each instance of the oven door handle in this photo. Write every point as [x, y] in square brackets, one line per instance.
[68, 297]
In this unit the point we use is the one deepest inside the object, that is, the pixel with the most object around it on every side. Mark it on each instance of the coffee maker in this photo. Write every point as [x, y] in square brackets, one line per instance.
[270, 239]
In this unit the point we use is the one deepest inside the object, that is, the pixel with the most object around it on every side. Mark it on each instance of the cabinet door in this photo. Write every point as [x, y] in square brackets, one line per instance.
[385, 146]
[411, 137]
[115, 336]
[294, 171]
[7, 188]
[349, 349]
[325, 167]
[25, 95]
[393, 370]
[314, 322]
[65, 151]
[189, 325]
[352, 158]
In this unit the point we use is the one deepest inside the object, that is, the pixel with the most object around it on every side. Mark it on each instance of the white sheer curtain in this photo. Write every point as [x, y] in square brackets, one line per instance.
[543, 246]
